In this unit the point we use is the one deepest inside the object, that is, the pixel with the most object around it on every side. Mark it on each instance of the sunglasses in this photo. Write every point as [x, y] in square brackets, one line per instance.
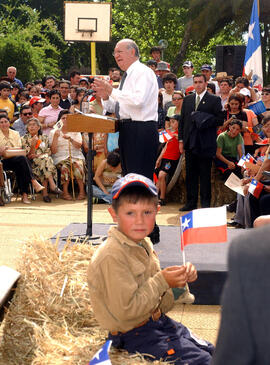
[176, 99]
[30, 113]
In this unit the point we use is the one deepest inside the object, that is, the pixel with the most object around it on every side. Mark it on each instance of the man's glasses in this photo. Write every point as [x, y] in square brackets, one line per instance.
[174, 99]
[30, 113]
[265, 93]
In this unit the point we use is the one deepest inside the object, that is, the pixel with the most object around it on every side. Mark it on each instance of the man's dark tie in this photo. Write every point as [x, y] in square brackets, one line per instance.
[120, 88]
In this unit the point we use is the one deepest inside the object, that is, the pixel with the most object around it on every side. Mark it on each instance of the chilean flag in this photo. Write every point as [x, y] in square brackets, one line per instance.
[255, 188]
[253, 56]
[102, 356]
[206, 225]
[165, 136]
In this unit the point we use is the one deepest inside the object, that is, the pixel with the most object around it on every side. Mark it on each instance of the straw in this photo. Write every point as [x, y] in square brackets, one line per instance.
[42, 326]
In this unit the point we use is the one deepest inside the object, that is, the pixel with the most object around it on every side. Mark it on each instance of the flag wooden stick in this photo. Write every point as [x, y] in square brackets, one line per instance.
[71, 170]
[258, 6]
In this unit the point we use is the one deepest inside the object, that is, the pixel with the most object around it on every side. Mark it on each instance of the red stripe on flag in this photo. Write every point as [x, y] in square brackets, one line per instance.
[215, 234]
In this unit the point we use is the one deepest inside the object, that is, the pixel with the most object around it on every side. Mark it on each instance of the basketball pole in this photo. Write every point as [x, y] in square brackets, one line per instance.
[93, 58]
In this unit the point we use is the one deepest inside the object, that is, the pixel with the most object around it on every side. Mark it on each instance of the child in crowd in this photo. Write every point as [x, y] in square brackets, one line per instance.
[168, 159]
[229, 149]
[106, 174]
[129, 292]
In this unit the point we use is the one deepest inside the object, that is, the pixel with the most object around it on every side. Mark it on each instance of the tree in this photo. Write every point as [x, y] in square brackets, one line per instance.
[29, 43]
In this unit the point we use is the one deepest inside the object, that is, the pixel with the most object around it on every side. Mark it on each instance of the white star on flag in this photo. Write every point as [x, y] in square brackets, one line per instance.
[185, 224]
[250, 30]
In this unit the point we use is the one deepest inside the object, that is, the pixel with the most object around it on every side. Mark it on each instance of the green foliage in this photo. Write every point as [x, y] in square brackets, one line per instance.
[30, 44]
[147, 22]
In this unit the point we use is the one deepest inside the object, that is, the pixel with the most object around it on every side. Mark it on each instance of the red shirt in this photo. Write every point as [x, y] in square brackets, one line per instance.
[172, 151]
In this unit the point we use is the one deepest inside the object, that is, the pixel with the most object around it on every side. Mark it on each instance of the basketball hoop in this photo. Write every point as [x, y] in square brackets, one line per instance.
[87, 21]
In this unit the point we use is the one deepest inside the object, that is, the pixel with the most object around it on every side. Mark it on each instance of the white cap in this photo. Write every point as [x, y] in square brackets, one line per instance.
[245, 92]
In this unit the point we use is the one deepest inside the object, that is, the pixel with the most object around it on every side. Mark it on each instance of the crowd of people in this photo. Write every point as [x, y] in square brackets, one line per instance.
[220, 120]
[59, 156]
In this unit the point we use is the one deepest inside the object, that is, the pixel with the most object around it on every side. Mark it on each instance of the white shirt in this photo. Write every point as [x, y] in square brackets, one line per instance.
[138, 99]
[63, 147]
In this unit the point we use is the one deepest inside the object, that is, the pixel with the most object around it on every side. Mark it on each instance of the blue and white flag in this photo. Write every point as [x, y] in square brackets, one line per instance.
[102, 356]
[253, 57]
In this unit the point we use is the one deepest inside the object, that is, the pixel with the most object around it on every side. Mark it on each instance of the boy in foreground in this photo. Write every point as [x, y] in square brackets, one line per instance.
[129, 292]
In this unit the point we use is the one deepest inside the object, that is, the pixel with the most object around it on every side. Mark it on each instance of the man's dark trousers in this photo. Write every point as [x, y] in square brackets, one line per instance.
[138, 144]
[198, 169]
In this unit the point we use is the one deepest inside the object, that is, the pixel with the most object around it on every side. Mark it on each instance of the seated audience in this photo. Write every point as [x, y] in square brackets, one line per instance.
[10, 139]
[38, 152]
[106, 174]
[48, 115]
[67, 156]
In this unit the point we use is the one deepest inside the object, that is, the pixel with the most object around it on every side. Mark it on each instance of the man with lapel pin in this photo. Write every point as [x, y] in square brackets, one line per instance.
[200, 115]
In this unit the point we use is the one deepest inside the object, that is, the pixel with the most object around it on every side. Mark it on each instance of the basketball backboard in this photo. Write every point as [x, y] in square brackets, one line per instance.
[87, 21]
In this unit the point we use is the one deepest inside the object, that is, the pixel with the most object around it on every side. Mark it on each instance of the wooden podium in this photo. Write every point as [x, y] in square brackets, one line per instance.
[90, 123]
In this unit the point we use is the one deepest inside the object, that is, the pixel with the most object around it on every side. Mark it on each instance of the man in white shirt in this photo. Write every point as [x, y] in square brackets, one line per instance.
[135, 103]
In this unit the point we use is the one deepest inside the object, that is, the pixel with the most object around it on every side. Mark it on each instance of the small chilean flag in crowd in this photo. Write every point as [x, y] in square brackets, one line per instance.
[206, 225]
[255, 188]
[165, 136]
[102, 356]
[244, 159]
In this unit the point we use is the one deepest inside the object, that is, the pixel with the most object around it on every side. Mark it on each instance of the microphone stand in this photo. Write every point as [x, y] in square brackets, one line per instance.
[90, 157]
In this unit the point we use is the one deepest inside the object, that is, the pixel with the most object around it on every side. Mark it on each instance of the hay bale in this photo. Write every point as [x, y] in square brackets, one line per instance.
[50, 320]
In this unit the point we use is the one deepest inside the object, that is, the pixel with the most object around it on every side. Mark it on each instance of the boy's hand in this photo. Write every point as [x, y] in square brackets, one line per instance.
[191, 272]
[176, 276]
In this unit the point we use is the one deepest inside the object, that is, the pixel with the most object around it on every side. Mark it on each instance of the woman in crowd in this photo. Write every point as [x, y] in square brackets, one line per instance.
[10, 139]
[80, 91]
[177, 100]
[38, 152]
[67, 156]
[234, 111]
[49, 115]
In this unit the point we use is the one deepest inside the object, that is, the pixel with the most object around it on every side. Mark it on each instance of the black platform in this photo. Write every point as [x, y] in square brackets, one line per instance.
[209, 259]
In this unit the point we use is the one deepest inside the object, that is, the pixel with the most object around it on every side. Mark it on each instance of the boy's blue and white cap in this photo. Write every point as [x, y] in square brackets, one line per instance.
[132, 180]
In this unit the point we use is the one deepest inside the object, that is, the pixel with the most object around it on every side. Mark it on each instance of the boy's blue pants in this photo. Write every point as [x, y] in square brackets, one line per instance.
[165, 339]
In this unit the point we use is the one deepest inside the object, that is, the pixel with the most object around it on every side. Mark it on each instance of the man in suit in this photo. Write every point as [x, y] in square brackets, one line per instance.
[198, 165]
[245, 325]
